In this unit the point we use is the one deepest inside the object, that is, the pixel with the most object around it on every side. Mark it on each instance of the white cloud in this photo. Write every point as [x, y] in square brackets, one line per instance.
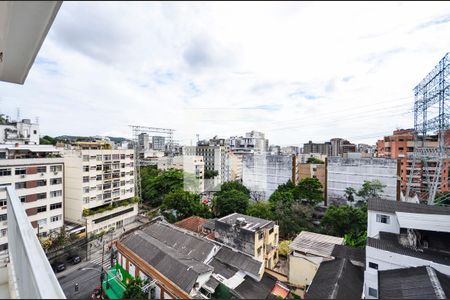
[297, 71]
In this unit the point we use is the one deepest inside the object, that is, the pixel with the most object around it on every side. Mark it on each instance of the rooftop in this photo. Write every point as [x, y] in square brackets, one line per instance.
[337, 279]
[413, 283]
[239, 261]
[250, 223]
[315, 243]
[353, 254]
[392, 207]
[194, 224]
[390, 242]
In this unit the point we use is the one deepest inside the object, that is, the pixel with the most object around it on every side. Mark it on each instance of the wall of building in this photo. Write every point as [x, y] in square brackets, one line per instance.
[302, 269]
[374, 226]
[343, 173]
[264, 173]
[312, 171]
[23, 132]
[52, 218]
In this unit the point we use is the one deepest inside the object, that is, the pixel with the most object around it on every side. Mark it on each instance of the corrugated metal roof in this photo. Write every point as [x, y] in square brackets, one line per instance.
[184, 242]
[337, 279]
[390, 206]
[315, 243]
[251, 223]
[389, 242]
[222, 268]
[239, 261]
[252, 289]
[356, 254]
[413, 283]
[177, 267]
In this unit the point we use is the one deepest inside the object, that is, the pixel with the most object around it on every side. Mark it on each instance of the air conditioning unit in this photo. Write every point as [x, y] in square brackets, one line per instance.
[55, 173]
[42, 174]
[22, 176]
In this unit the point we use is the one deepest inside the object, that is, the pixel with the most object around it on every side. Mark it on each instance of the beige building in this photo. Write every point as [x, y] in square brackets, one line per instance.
[193, 165]
[233, 166]
[312, 171]
[306, 253]
[251, 235]
[37, 174]
[100, 188]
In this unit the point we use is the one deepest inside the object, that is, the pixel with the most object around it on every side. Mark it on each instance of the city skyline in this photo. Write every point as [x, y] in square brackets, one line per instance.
[157, 64]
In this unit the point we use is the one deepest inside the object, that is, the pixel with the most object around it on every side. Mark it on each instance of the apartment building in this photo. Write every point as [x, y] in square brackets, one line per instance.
[99, 188]
[407, 251]
[22, 132]
[158, 143]
[37, 174]
[312, 171]
[340, 146]
[400, 145]
[214, 158]
[254, 236]
[192, 165]
[233, 166]
[253, 142]
[321, 148]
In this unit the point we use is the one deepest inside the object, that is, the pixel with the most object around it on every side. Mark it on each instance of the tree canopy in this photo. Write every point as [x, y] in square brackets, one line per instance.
[156, 184]
[309, 190]
[261, 210]
[178, 205]
[47, 140]
[371, 189]
[234, 185]
[313, 160]
[134, 289]
[228, 202]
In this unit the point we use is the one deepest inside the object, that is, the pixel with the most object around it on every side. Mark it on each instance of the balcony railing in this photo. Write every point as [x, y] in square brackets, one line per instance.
[31, 274]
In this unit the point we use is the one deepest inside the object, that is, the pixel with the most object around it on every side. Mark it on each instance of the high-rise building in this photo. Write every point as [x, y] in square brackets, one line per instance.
[37, 174]
[253, 142]
[340, 146]
[99, 187]
[143, 141]
[400, 145]
[321, 148]
[158, 143]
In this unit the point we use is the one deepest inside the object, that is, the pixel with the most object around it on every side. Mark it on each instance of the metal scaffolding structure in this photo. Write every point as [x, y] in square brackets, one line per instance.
[140, 162]
[431, 117]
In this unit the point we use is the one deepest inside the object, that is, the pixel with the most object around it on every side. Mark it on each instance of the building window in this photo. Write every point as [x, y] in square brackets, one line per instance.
[99, 196]
[41, 196]
[54, 194]
[55, 218]
[3, 217]
[115, 156]
[41, 182]
[85, 157]
[85, 168]
[259, 250]
[22, 199]
[382, 219]
[55, 205]
[55, 168]
[3, 232]
[122, 156]
[20, 185]
[42, 222]
[373, 292]
[5, 172]
[54, 181]
[261, 235]
[107, 157]
[85, 178]
[3, 202]
[270, 230]
[86, 200]
[99, 177]
[42, 209]
[373, 265]
[20, 171]
[99, 157]
[86, 189]
[41, 169]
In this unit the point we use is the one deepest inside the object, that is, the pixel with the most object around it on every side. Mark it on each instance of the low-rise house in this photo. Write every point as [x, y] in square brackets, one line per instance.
[401, 236]
[197, 225]
[306, 252]
[254, 236]
[176, 263]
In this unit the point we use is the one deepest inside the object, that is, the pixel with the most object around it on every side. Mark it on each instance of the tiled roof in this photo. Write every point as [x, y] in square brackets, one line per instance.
[314, 243]
[390, 206]
[413, 283]
[239, 261]
[337, 279]
[389, 242]
[181, 269]
[184, 242]
[193, 224]
[356, 254]
[252, 289]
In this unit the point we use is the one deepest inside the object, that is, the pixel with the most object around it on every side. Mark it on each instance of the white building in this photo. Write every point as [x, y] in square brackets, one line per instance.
[22, 132]
[99, 188]
[37, 174]
[343, 173]
[253, 142]
[263, 173]
[405, 237]
[192, 165]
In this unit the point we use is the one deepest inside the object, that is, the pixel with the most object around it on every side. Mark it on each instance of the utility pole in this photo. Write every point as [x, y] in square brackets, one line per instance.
[102, 270]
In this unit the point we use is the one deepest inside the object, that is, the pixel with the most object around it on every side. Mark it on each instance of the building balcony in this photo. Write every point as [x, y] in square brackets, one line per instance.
[25, 271]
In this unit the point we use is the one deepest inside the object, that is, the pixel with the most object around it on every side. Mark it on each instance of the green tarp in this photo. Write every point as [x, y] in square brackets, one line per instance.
[116, 278]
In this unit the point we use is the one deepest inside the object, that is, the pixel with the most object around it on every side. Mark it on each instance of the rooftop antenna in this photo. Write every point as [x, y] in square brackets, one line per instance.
[18, 114]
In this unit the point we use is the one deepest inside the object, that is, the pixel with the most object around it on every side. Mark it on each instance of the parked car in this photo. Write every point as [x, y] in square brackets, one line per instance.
[58, 266]
[74, 259]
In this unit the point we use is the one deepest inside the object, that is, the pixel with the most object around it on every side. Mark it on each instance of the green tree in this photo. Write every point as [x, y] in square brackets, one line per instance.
[208, 174]
[134, 289]
[184, 204]
[371, 189]
[349, 194]
[234, 185]
[346, 220]
[313, 160]
[155, 188]
[293, 219]
[289, 186]
[261, 210]
[285, 197]
[47, 140]
[284, 247]
[309, 190]
[228, 202]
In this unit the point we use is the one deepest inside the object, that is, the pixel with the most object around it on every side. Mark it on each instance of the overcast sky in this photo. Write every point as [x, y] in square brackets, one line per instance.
[295, 71]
